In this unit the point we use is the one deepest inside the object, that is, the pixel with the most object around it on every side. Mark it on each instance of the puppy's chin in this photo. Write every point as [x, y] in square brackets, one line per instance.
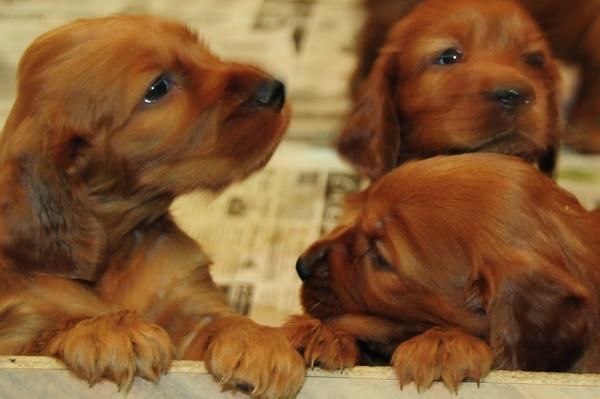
[541, 155]
[262, 150]
[526, 136]
[319, 301]
[510, 142]
[251, 155]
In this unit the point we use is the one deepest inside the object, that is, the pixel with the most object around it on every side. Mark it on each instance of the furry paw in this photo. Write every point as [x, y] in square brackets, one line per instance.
[447, 354]
[243, 355]
[321, 344]
[116, 347]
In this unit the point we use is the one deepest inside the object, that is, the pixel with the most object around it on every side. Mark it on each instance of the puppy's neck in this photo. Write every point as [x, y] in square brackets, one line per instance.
[120, 203]
[123, 217]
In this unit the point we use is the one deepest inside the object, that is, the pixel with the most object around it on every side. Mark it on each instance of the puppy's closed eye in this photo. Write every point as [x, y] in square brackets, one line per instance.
[536, 59]
[380, 257]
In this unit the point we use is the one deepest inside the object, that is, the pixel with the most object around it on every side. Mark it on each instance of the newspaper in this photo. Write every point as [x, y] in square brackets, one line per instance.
[255, 231]
[580, 175]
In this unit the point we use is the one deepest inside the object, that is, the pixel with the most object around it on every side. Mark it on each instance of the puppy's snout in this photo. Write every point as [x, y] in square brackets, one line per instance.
[312, 263]
[511, 98]
[270, 94]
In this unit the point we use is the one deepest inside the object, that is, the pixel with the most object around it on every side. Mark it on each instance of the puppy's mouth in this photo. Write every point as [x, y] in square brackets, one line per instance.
[494, 142]
[503, 142]
[510, 142]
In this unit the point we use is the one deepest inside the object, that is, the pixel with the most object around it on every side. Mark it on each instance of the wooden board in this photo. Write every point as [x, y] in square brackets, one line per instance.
[40, 377]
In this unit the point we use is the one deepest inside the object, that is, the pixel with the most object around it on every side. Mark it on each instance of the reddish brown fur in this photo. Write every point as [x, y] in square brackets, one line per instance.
[572, 30]
[455, 264]
[87, 174]
[409, 107]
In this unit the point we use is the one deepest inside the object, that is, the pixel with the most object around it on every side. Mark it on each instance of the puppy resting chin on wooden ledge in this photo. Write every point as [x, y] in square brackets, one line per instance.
[451, 266]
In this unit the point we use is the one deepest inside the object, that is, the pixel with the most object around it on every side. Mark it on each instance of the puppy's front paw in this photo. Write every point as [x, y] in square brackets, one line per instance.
[321, 344]
[447, 354]
[117, 347]
[243, 355]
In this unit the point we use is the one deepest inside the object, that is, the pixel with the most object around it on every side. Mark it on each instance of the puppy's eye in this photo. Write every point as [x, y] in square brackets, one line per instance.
[449, 56]
[379, 260]
[535, 59]
[158, 89]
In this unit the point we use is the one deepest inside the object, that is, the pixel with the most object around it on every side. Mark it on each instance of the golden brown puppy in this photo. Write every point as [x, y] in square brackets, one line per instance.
[114, 118]
[572, 29]
[456, 77]
[453, 265]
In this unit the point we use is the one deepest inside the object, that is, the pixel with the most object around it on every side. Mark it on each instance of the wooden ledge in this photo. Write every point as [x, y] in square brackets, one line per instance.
[42, 377]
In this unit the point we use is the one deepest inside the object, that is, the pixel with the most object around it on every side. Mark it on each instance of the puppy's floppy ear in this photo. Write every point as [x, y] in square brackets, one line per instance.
[370, 141]
[539, 318]
[45, 226]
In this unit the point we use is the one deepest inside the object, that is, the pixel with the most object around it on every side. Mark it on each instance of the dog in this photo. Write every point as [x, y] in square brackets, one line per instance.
[570, 30]
[114, 118]
[454, 77]
[453, 265]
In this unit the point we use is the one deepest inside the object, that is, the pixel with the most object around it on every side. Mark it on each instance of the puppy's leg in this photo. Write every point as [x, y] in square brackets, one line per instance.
[62, 318]
[174, 288]
[323, 345]
[448, 354]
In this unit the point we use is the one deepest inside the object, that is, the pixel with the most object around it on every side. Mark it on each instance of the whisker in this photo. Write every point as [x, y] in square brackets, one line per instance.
[318, 303]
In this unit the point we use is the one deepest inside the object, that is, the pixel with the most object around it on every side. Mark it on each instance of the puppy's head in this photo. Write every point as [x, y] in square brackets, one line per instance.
[456, 77]
[482, 242]
[389, 259]
[150, 92]
[122, 110]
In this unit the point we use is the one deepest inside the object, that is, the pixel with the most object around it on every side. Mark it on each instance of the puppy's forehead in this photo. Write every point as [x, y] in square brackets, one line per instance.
[380, 203]
[467, 23]
[105, 66]
[125, 42]
[149, 40]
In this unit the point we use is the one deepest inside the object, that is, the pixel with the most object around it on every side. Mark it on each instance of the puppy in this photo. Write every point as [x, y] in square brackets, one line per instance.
[456, 77]
[571, 30]
[115, 118]
[450, 266]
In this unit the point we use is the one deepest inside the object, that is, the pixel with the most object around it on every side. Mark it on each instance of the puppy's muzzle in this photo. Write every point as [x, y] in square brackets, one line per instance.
[270, 94]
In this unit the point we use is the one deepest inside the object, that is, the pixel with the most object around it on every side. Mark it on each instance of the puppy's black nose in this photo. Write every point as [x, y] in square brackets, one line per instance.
[303, 268]
[270, 94]
[511, 98]
[307, 263]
